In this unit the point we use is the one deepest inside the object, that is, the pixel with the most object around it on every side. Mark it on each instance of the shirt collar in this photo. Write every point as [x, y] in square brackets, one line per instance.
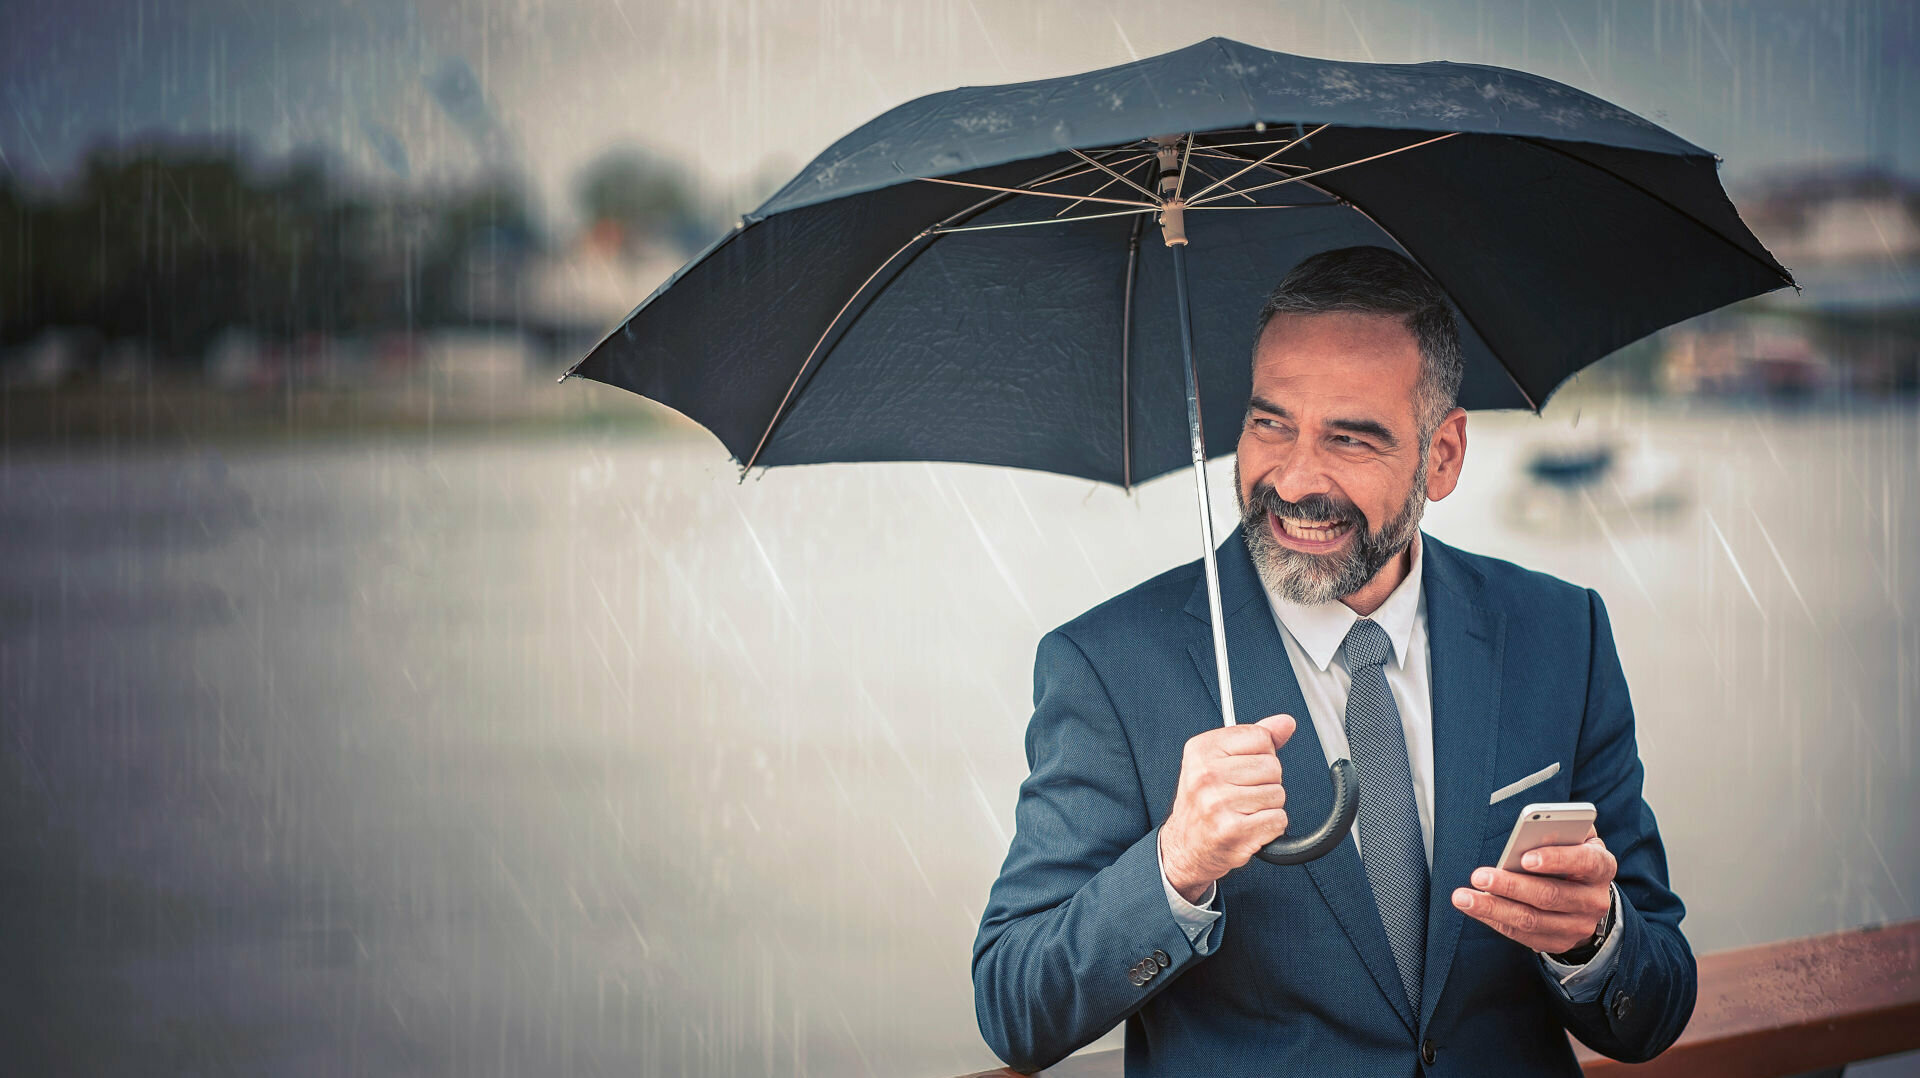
[1320, 628]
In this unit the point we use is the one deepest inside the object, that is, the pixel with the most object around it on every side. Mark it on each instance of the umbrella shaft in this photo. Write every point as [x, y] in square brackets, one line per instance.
[1179, 252]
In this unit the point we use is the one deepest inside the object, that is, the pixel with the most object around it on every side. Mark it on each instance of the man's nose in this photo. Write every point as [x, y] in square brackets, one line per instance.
[1301, 472]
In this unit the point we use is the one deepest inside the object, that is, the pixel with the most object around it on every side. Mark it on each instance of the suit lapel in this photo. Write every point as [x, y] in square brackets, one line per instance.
[1466, 643]
[1263, 685]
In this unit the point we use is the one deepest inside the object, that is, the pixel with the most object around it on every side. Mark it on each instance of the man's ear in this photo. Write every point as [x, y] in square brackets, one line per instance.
[1446, 455]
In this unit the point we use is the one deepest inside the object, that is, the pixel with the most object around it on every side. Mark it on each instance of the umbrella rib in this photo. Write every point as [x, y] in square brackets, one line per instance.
[1082, 172]
[1333, 168]
[1274, 167]
[1112, 173]
[1186, 155]
[1145, 159]
[831, 322]
[1511, 377]
[1709, 229]
[1069, 206]
[781, 410]
[1037, 194]
[1261, 142]
[1271, 206]
[1257, 204]
[1198, 195]
[1210, 176]
[941, 230]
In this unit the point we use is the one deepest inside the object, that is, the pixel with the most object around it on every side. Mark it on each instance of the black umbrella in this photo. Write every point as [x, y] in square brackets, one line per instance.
[969, 276]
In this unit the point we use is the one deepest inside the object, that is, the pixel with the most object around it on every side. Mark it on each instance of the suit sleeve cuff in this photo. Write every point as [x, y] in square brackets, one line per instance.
[1194, 920]
[1582, 983]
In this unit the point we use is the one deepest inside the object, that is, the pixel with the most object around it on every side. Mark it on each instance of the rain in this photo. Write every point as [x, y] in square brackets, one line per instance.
[375, 704]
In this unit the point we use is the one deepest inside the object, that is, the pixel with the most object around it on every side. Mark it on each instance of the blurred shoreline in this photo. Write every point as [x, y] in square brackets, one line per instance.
[186, 413]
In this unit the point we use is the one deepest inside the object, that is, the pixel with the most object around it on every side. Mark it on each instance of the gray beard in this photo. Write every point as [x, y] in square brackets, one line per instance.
[1309, 579]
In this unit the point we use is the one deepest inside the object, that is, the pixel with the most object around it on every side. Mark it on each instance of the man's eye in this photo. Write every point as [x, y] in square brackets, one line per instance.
[1347, 439]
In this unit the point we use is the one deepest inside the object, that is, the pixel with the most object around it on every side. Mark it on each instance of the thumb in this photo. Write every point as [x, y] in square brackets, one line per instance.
[1278, 727]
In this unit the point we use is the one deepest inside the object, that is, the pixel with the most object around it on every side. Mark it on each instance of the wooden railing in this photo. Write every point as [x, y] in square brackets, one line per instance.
[1770, 1011]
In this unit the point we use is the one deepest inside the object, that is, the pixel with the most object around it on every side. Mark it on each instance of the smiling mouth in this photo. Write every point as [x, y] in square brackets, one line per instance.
[1313, 536]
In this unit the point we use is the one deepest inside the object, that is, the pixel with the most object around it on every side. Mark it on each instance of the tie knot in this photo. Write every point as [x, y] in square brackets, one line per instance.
[1367, 644]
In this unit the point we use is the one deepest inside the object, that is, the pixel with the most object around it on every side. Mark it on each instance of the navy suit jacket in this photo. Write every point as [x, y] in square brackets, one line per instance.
[1300, 978]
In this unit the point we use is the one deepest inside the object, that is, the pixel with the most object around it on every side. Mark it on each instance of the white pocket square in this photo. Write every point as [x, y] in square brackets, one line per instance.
[1534, 779]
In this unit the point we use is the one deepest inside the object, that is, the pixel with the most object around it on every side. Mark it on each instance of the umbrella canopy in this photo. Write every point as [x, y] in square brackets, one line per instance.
[895, 302]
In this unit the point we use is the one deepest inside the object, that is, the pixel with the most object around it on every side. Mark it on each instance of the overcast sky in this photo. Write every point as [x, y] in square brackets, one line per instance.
[427, 91]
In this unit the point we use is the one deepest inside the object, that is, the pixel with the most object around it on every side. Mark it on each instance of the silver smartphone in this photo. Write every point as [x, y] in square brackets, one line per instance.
[1562, 823]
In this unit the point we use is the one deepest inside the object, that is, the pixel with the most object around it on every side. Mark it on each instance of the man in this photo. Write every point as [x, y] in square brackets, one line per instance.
[1131, 892]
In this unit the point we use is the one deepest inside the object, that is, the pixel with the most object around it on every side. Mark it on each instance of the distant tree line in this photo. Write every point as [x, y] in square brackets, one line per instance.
[169, 244]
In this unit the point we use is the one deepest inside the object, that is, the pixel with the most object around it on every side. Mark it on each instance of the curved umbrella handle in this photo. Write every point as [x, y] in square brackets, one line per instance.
[1321, 840]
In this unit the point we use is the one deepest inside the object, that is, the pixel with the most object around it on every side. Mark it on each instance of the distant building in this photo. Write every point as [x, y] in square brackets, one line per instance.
[599, 279]
[1826, 216]
[1851, 238]
[1747, 356]
[566, 300]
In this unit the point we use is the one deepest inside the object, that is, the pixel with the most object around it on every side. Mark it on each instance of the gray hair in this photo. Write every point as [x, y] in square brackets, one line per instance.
[1375, 280]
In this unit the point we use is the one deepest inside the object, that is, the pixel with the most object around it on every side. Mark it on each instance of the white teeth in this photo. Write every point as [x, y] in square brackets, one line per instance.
[1316, 532]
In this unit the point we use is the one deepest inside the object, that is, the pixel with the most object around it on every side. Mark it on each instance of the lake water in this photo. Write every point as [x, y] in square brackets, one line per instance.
[573, 755]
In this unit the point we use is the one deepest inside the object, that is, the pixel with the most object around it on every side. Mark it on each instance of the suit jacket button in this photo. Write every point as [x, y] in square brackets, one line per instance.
[1622, 1003]
[1136, 977]
[1160, 958]
[1426, 1051]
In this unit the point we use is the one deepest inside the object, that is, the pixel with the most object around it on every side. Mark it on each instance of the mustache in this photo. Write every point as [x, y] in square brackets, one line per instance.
[1311, 507]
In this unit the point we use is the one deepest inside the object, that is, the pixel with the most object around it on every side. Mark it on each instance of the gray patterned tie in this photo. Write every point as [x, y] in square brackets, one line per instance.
[1395, 860]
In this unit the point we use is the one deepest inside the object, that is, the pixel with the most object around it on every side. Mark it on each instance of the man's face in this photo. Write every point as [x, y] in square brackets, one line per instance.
[1331, 478]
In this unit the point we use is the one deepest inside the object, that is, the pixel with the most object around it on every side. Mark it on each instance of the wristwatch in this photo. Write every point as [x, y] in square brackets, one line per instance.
[1587, 948]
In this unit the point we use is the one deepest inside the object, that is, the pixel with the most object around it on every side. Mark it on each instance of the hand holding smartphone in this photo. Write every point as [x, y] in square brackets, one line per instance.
[1558, 918]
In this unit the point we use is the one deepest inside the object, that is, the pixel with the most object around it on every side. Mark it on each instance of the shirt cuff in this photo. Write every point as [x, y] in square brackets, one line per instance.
[1582, 983]
[1194, 920]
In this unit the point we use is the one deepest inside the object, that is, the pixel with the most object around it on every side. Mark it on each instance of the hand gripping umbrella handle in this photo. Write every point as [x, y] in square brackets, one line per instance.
[1346, 792]
[1321, 840]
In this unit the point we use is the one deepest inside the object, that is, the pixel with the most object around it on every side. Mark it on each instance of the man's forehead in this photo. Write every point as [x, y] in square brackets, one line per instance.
[1291, 335]
[1341, 356]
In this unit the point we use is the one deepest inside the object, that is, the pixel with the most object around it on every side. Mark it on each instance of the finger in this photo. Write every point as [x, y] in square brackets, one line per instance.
[1543, 892]
[1241, 740]
[1259, 769]
[1267, 825]
[1228, 741]
[1586, 863]
[1279, 728]
[1247, 800]
[1544, 930]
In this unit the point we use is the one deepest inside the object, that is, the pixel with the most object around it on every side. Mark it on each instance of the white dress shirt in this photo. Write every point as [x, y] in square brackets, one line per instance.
[1313, 635]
